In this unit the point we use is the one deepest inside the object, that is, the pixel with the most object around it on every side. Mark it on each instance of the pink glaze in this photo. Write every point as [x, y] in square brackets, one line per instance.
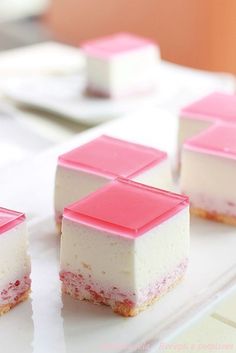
[115, 44]
[216, 106]
[126, 208]
[81, 287]
[9, 219]
[111, 157]
[14, 290]
[219, 140]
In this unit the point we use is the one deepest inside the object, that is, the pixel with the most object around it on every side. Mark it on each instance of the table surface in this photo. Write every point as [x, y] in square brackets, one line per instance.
[218, 327]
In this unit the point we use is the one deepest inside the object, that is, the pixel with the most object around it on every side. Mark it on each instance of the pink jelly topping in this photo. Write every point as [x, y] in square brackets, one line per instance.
[214, 106]
[112, 157]
[115, 44]
[126, 208]
[218, 140]
[9, 219]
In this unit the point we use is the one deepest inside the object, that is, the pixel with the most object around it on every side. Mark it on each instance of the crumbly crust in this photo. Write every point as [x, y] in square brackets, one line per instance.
[6, 307]
[92, 92]
[213, 216]
[58, 228]
[96, 92]
[123, 309]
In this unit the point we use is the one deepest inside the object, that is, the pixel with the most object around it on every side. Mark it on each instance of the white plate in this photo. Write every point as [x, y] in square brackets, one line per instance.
[46, 58]
[65, 325]
[63, 95]
[17, 140]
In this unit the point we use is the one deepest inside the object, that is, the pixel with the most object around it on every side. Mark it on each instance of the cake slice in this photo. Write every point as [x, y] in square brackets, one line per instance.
[120, 65]
[124, 245]
[14, 260]
[205, 112]
[94, 164]
[208, 173]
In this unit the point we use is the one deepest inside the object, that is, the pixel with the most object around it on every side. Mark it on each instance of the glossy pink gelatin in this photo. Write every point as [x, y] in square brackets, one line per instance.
[219, 139]
[111, 157]
[126, 208]
[9, 219]
[216, 106]
[107, 47]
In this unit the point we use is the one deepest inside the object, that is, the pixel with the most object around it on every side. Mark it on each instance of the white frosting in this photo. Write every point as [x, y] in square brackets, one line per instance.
[14, 259]
[73, 184]
[129, 264]
[158, 176]
[189, 127]
[123, 73]
[208, 180]
[160, 250]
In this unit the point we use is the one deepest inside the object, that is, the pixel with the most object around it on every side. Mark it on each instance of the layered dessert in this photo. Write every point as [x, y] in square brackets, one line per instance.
[120, 65]
[124, 245]
[208, 173]
[94, 164]
[14, 260]
[198, 116]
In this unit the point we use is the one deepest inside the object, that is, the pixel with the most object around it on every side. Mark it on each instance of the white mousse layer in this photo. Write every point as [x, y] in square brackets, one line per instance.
[191, 126]
[208, 180]
[74, 184]
[14, 259]
[130, 265]
[123, 73]
[158, 176]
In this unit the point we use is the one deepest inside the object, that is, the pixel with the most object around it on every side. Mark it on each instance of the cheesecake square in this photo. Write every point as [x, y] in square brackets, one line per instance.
[208, 173]
[120, 65]
[14, 260]
[94, 164]
[203, 113]
[124, 245]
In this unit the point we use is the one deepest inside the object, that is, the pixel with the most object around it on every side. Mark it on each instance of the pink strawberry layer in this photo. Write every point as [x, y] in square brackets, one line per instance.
[84, 287]
[14, 290]
[213, 205]
[144, 89]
